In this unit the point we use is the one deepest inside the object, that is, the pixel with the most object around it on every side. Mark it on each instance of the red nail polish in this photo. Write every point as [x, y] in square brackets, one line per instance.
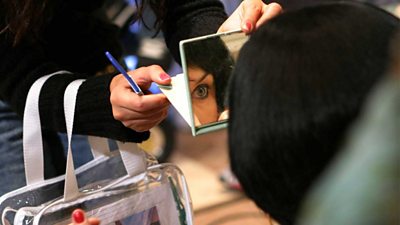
[249, 26]
[164, 76]
[78, 216]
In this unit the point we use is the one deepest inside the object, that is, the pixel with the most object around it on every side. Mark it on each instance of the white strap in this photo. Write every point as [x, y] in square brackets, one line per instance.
[71, 185]
[99, 146]
[133, 157]
[32, 133]
[4, 214]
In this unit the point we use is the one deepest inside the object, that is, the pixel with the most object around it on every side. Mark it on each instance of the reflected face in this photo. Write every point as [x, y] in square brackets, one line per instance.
[202, 91]
[208, 95]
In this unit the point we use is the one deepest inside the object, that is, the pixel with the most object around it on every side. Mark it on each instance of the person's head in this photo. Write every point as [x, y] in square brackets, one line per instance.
[298, 84]
[209, 68]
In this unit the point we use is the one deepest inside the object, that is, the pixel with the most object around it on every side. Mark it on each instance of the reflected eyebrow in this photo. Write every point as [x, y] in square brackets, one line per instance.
[201, 78]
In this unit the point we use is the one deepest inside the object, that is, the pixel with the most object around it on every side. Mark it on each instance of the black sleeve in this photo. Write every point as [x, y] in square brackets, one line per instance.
[190, 18]
[22, 65]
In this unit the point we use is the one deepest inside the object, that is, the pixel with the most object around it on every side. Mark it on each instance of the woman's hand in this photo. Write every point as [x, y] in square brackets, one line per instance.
[78, 217]
[250, 15]
[139, 113]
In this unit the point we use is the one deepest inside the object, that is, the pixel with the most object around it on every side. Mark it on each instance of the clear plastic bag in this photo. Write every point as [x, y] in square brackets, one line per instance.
[160, 195]
[126, 186]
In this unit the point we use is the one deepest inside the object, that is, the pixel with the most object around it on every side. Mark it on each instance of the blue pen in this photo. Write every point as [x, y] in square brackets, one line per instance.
[131, 82]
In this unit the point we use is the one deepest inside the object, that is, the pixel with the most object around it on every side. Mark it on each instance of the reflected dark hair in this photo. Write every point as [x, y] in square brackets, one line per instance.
[298, 84]
[212, 56]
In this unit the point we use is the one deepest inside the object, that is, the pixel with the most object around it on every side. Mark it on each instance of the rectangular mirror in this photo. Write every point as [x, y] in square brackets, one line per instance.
[207, 64]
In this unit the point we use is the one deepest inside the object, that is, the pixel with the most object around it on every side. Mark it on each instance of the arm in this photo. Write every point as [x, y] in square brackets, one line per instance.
[23, 64]
[190, 18]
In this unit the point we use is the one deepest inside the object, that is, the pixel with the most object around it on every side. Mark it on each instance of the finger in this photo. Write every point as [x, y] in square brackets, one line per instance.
[94, 221]
[145, 124]
[78, 216]
[147, 103]
[269, 11]
[124, 114]
[252, 11]
[132, 101]
[224, 115]
[144, 76]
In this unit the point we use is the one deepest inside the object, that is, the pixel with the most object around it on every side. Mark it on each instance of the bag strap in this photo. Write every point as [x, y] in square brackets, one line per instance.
[99, 146]
[133, 157]
[71, 185]
[32, 134]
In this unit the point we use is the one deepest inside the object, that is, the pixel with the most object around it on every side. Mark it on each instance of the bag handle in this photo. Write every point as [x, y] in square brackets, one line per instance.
[71, 185]
[98, 146]
[32, 134]
[133, 157]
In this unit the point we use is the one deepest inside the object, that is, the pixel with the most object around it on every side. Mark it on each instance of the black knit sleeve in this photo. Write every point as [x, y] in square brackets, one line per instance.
[93, 113]
[22, 65]
[190, 18]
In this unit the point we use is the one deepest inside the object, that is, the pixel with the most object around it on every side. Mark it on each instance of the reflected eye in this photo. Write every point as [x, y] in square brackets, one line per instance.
[201, 91]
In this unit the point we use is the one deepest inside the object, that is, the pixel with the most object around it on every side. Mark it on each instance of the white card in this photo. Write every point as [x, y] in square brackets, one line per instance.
[178, 96]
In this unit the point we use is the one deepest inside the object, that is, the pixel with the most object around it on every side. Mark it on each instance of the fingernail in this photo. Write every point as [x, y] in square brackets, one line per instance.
[248, 26]
[164, 76]
[78, 216]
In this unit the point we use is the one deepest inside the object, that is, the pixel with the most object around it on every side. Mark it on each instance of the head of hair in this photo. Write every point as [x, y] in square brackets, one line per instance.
[298, 84]
[212, 56]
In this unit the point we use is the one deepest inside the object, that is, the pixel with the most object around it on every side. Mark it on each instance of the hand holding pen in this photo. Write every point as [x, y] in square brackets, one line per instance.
[136, 111]
[131, 81]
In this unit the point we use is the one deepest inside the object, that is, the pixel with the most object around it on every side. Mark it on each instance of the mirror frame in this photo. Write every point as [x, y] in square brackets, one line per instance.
[211, 126]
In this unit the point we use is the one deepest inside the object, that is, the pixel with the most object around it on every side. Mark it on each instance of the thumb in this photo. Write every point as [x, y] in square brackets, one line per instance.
[145, 75]
[163, 78]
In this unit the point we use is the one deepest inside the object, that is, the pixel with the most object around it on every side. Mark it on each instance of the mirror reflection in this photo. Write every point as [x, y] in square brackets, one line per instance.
[210, 62]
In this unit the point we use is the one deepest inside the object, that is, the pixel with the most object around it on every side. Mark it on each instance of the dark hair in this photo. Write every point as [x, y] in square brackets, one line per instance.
[298, 84]
[213, 57]
[159, 8]
[23, 17]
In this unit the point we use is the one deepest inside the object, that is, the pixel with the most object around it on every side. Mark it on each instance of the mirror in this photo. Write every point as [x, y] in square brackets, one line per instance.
[207, 64]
